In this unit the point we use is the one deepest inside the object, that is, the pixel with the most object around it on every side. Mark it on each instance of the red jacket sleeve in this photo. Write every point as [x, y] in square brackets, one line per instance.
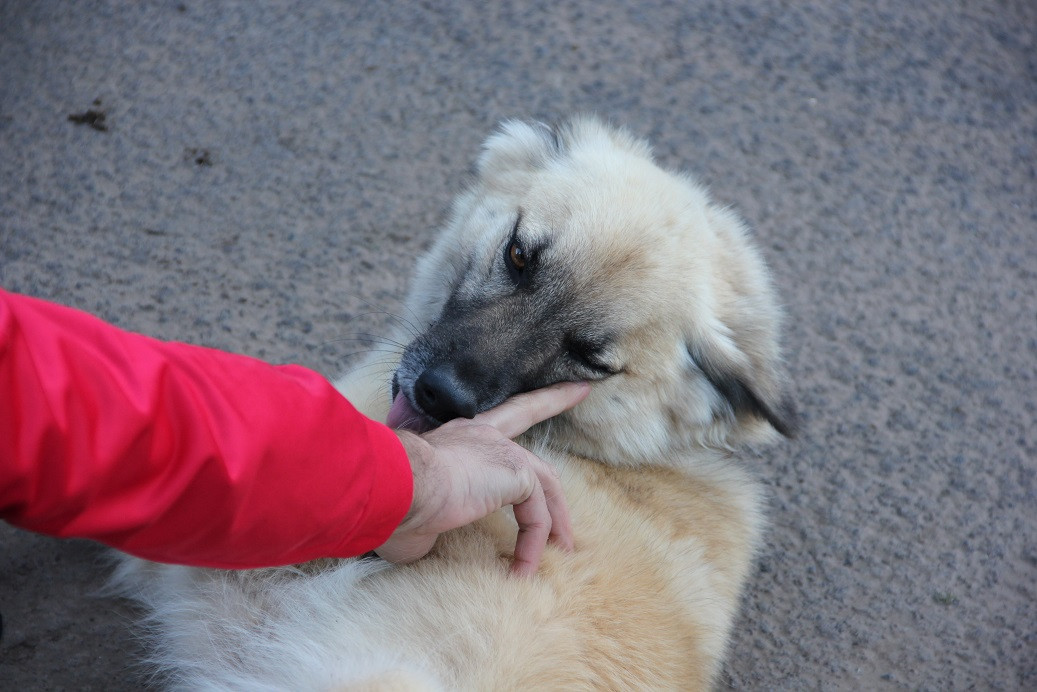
[184, 454]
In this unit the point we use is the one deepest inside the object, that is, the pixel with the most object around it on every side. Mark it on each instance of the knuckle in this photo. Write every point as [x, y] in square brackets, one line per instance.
[485, 430]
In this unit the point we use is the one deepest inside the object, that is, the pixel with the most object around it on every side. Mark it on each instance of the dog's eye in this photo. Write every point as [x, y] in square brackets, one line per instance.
[520, 260]
[517, 256]
[589, 354]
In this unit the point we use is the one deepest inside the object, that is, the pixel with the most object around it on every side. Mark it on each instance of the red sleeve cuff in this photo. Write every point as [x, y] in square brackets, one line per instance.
[389, 495]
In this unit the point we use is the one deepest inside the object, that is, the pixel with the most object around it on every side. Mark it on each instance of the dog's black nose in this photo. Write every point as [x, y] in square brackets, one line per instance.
[440, 394]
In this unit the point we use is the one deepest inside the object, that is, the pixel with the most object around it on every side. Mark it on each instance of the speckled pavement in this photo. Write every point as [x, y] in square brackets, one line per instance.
[264, 174]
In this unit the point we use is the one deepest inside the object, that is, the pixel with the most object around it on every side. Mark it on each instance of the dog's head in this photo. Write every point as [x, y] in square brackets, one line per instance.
[572, 256]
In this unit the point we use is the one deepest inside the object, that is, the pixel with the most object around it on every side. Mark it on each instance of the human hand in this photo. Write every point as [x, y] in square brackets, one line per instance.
[467, 469]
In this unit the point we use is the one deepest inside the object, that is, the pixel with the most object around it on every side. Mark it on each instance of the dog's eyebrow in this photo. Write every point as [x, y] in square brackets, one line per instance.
[532, 246]
[515, 228]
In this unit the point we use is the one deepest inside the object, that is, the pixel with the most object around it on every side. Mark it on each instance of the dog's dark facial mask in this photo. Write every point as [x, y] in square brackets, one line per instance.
[482, 350]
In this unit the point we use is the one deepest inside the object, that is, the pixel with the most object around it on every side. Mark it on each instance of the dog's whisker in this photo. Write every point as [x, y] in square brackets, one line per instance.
[387, 363]
[378, 369]
[361, 336]
[373, 350]
[384, 361]
[410, 326]
[417, 318]
[379, 310]
[377, 337]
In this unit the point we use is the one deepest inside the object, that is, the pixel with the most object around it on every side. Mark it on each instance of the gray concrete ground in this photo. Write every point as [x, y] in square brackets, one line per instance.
[268, 171]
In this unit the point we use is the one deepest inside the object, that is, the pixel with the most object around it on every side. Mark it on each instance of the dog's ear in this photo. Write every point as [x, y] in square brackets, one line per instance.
[748, 384]
[732, 335]
[516, 149]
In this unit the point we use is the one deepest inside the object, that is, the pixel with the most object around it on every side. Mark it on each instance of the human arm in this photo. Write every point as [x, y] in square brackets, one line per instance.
[179, 453]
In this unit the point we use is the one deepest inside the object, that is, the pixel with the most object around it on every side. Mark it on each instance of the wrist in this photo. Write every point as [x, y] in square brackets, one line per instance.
[418, 453]
[411, 539]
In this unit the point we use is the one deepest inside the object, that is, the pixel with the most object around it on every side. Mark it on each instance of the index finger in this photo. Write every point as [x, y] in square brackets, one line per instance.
[520, 413]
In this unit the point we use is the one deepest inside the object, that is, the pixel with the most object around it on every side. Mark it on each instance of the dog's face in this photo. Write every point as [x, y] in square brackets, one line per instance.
[574, 257]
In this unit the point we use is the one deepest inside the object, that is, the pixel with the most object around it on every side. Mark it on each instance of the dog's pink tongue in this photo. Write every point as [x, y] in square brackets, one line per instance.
[403, 415]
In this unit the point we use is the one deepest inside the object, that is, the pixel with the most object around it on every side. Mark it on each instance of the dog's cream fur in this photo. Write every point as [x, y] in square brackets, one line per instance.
[666, 521]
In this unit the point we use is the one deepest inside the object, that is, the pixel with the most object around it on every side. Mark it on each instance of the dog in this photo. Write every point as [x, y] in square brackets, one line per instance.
[571, 256]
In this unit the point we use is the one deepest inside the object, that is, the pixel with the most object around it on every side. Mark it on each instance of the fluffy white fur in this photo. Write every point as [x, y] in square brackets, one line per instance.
[665, 519]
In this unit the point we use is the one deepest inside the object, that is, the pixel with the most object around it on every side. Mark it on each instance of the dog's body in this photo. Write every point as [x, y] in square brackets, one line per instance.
[571, 257]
